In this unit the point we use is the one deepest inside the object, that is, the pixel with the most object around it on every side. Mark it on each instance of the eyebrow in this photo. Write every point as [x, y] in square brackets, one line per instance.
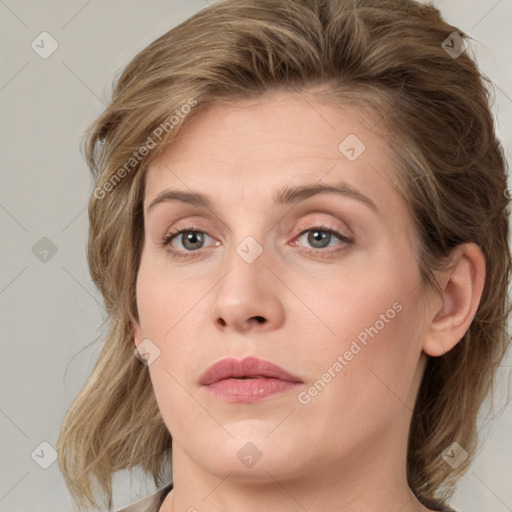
[284, 196]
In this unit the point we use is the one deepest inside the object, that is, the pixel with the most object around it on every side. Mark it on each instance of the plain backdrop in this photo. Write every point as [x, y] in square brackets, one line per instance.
[49, 308]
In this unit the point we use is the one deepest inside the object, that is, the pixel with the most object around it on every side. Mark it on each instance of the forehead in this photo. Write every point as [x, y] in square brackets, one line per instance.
[277, 118]
[280, 139]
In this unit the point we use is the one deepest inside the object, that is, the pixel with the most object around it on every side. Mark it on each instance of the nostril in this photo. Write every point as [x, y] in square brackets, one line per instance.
[260, 319]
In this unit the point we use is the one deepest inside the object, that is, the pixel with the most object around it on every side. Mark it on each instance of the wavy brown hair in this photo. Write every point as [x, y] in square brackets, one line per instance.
[433, 107]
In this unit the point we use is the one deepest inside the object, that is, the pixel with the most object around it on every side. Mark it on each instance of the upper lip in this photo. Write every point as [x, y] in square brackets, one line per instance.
[247, 367]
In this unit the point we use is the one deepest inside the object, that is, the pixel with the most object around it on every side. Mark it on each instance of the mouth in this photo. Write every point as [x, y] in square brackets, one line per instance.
[247, 380]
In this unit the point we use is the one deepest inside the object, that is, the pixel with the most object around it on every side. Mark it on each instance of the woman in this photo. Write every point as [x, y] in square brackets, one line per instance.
[300, 222]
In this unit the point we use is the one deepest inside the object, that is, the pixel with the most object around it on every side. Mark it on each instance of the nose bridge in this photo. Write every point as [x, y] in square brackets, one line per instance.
[247, 294]
[247, 260]
[249, 243]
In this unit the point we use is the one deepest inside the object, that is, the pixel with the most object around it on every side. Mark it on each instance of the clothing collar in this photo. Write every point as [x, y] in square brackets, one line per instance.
[151, 503]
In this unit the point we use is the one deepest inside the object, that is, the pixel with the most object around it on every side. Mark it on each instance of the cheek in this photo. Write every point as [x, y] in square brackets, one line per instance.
[372, 331]
[362, 389]
[366, 377]
[165, 301]
[367, 306]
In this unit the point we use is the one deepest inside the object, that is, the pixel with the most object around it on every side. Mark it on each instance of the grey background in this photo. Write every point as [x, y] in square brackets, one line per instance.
[50, 310]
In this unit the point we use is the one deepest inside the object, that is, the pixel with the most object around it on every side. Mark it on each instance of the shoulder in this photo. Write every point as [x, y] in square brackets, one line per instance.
[150, 503]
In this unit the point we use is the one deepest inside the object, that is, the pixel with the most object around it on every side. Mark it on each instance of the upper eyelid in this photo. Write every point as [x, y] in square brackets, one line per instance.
[302, 226]
[297, 221]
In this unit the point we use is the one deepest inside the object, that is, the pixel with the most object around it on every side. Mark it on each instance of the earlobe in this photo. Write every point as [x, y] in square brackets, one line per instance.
[462, 287]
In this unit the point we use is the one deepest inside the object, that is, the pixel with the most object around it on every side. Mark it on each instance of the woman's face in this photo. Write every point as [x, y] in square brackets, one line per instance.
[260, 275]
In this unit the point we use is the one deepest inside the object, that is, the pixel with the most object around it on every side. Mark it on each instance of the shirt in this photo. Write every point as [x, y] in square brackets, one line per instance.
[153, 503]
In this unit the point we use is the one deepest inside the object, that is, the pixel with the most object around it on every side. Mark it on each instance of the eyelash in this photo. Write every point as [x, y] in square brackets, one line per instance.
[166, 240]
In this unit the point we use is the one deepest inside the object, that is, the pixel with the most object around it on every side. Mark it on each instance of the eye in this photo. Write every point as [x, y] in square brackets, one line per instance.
[320, 237]
[191, 239]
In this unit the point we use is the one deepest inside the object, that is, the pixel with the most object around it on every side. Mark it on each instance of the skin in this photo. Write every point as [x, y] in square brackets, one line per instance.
[346, 448]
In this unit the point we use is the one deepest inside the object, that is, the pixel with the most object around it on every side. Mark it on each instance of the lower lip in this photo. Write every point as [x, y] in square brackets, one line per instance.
[249, 390]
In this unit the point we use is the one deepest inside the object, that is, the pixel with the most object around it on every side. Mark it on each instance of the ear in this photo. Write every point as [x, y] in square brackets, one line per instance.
[137, 332]
[453, 311]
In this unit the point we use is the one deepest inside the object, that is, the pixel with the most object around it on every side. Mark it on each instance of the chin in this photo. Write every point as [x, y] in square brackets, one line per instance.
[249, 456]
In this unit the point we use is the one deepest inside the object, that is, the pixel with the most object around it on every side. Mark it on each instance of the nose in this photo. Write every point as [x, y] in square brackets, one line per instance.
[249, 297]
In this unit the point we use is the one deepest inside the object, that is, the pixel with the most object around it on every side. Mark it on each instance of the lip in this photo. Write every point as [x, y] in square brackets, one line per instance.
[247, 380]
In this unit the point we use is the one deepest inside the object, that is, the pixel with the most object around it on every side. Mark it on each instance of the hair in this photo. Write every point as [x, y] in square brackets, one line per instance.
[386, 56]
